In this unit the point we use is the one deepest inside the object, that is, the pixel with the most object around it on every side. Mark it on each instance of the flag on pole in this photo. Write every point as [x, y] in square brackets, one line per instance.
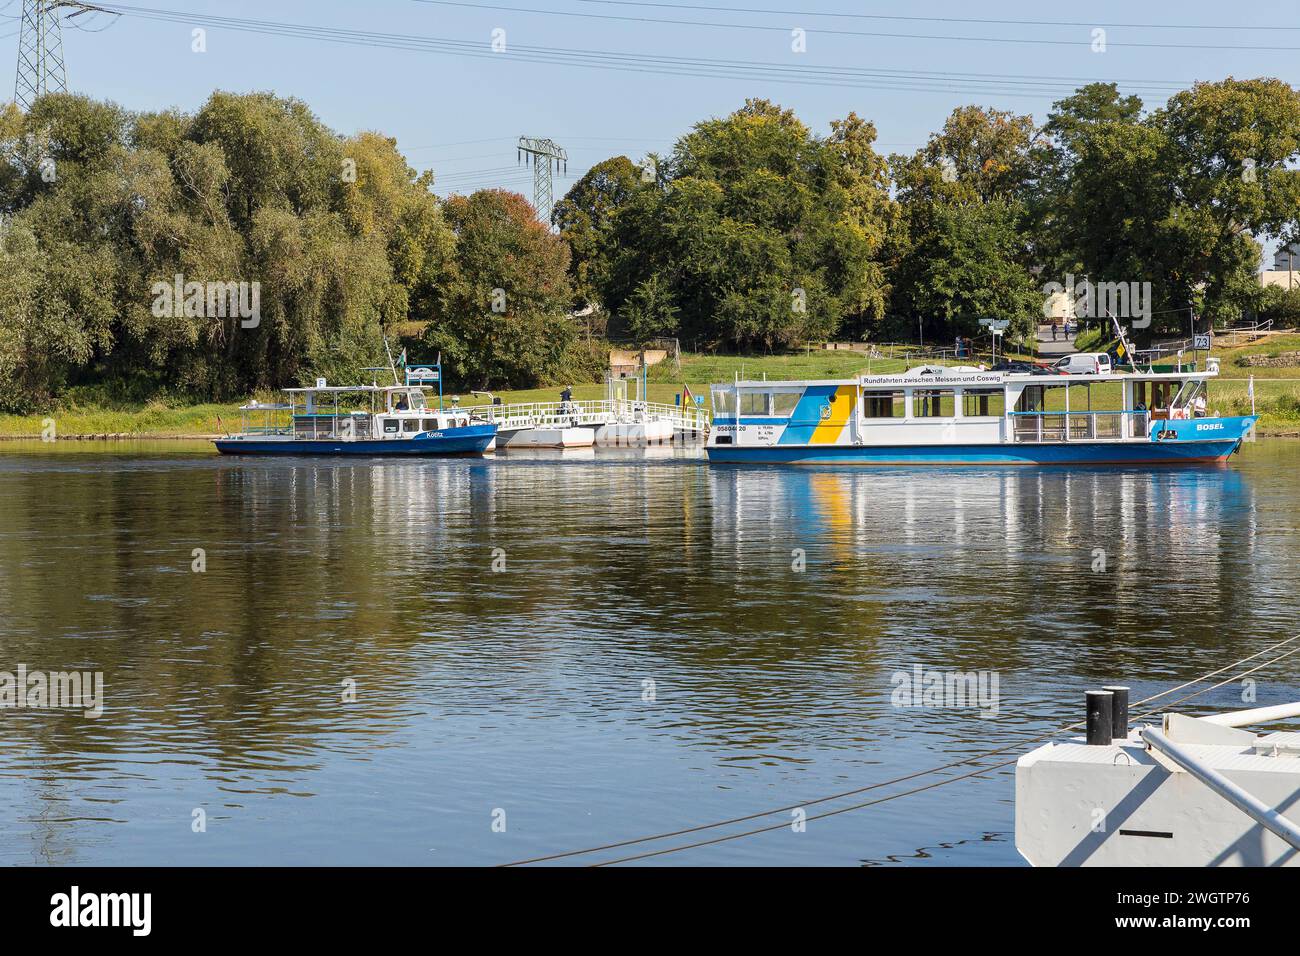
[1250, 392]
[687, 397]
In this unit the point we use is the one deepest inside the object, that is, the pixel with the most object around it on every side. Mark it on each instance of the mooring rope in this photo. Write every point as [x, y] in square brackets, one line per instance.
[903, 779]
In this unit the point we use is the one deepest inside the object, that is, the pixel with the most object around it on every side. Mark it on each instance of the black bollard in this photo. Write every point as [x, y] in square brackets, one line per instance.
[1119, 711]
[1099, 717]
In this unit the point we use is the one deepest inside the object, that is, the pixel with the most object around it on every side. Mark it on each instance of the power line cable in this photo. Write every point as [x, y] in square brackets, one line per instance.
[847, 77]
[856, 33]
[980, 20]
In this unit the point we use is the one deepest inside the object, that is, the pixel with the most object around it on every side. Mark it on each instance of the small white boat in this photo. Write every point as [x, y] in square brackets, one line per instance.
[363, 420]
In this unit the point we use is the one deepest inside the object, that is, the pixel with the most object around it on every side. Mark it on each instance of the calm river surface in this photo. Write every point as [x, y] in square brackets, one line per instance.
[648, 659]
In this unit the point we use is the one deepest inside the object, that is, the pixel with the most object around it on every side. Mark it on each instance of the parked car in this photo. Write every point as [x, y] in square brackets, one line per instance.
[1032, 368]
[1085, 363]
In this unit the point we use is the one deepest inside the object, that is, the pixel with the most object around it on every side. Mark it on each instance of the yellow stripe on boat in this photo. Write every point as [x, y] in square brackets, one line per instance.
[829, 430]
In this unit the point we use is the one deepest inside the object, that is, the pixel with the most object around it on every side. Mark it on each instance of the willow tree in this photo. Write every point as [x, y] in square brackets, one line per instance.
[338, 236]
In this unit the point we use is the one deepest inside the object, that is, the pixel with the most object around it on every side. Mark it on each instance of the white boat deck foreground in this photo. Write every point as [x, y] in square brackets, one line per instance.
[597, 413]
[1197, 792]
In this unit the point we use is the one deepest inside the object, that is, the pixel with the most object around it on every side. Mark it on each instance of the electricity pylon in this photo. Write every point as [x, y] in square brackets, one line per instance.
[545, 156]
[41, 68]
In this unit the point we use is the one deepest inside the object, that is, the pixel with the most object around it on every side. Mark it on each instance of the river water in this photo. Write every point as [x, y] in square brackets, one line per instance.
[478, 661]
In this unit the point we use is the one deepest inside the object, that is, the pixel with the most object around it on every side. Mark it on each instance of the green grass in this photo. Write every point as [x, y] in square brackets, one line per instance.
[708, 369]
[1273, 345]
[153, 419]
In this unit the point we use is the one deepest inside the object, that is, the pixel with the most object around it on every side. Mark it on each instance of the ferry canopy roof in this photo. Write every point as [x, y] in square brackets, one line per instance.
[972, 378]
[358, 388]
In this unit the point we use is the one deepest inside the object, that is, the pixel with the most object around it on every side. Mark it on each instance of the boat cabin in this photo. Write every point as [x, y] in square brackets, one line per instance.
[351, 412]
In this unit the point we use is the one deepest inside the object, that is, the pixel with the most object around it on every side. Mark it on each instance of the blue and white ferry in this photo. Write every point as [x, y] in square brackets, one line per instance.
[964, 415]
[360, 420]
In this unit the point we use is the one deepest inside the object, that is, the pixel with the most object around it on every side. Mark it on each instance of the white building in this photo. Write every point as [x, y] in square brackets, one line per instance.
[1286, 268]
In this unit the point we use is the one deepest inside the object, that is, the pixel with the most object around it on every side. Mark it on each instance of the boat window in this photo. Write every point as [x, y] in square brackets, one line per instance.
[722, 401]
[983, 403]
[1031, 399]
[884, 405]
[934, 402]
[417, 399]
[392, 426]
[783, 403]
[755, 403]
[430, 424]
[411, 425]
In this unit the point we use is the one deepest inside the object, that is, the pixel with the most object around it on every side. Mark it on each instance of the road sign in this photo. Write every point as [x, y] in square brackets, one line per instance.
[1201, 343]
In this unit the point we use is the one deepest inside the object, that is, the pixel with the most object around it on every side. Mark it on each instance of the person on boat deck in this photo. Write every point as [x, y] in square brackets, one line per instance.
[401, 404]
[1199, 406]
[566, 395]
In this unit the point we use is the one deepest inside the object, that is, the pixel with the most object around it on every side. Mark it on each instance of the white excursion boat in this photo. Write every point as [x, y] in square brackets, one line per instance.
[935, 415]
[1195, 791]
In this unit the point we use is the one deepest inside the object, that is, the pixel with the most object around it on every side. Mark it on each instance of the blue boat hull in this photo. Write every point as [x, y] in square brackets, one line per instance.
[470, 440]
[1074, 453]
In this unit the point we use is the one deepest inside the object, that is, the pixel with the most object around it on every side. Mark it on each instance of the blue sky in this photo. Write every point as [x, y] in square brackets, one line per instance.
[460, 115]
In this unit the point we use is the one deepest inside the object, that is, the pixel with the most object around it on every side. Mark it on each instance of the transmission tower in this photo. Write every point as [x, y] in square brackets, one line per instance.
[41, 68]
[545, 156]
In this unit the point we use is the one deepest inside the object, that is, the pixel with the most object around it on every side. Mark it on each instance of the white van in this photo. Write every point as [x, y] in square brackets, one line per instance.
[1085, 363]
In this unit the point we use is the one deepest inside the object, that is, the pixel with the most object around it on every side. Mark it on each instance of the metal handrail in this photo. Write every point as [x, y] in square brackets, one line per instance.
[1248, 804]
[1096, 411]
[589, 412]
[1088, 425]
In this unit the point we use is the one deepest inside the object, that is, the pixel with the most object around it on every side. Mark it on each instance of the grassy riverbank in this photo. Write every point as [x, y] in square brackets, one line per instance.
[1277, 393]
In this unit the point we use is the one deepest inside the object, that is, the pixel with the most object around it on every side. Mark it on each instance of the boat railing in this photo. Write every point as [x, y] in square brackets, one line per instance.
[592, 413]
[1064, 426]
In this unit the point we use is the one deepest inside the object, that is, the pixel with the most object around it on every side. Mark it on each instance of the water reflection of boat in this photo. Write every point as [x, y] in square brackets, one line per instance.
[551, 453]
[963, 416]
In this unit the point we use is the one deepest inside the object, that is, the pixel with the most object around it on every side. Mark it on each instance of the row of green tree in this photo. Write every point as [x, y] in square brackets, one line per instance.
[121, 234]
[336, 240]
[757, 234]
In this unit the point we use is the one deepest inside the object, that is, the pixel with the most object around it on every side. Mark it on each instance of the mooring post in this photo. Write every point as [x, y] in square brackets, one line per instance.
[1100, 720]
[1119, 711]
